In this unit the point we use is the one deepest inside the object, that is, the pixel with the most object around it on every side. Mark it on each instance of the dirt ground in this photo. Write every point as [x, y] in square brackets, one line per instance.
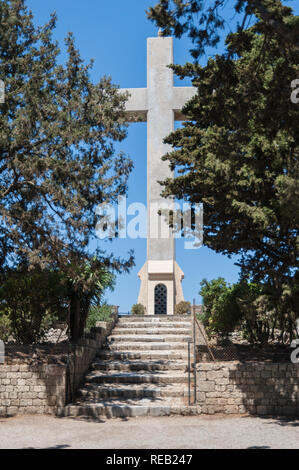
[199, 432]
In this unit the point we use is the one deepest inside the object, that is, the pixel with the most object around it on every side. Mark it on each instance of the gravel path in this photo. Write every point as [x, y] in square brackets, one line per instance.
[149, 433]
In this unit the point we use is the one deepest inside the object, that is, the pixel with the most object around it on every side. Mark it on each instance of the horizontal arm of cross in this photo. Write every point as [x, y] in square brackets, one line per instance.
[136, 106]
[180, 97]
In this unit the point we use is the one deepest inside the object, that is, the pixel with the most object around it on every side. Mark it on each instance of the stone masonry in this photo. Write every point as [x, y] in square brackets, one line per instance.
[40, 387]
[256, 388]
[31, 389]
[144, 373]
[141, 370]
[160, 104]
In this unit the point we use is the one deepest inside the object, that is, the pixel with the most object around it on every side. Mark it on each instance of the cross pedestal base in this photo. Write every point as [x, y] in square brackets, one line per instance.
[161, 287]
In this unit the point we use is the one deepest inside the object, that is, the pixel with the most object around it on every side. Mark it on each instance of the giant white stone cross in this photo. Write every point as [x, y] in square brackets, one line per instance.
[159, 105]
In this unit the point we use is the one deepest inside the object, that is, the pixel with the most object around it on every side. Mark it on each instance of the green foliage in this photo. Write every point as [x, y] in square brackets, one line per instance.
[31, 303]
[57, 137]
[221, 311]
[88, 280]
[5, 325]
[138, 309]
[203, 21]
[258, 314]
[57, 163]
[265, 310]
[86, 284]
[257, 309]
[182, 308]
[238, 153]
[98, 313]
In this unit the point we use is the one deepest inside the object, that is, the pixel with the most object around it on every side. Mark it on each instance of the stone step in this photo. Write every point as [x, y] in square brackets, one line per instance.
[158, 377]
[144, 355]
[95, 392]
[154, 318]
[143, 346]
[138, 365]
[151, 331]
[151, 325]
[149, 338]
[142, 372]
[119, 409]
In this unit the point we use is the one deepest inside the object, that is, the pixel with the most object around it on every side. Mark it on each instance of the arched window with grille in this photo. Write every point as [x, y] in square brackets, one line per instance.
[160, 299]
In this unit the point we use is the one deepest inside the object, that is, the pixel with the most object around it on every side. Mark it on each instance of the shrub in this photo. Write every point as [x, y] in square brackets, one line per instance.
[5, 326]
[221, 312]
[33, 302]
[138, 309]
[98, 313]
[87, 283]
[260, 310]
[182, 308]
[257, 312]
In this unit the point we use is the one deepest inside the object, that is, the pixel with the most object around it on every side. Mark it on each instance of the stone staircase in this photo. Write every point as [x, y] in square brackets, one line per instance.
[143, 371]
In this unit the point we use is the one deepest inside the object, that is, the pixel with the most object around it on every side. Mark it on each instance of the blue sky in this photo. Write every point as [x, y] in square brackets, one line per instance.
[114, 33]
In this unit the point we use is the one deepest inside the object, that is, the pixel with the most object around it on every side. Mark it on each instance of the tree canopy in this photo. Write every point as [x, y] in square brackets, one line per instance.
[238, 152]
[58, 131]
[203, 20]
[57, 135]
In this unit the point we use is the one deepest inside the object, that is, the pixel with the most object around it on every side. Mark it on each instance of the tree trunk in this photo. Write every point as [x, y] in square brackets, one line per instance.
[75, 333]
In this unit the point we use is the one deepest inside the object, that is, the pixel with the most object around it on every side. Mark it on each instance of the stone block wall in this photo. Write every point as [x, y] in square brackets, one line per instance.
[256, 388]
[40, 387]
[27, 388]
[83, 354]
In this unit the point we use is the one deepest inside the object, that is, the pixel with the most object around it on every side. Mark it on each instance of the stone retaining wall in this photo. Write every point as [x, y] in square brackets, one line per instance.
[31, 388]
[255, 388]
[83, 354]
[26, 388]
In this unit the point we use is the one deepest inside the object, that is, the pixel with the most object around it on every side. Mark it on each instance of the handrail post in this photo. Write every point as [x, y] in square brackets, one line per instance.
[189, 374]
[194, 353]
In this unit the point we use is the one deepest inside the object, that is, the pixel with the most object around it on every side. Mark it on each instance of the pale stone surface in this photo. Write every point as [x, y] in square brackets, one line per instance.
[254, 388]
[41, 388]
[165, 267]
[156, 272]
[150, 386]
[177, 432]
[159, 104]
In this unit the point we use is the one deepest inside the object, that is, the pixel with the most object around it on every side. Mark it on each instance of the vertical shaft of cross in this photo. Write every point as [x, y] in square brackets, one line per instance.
[160, 121]
[160, 104]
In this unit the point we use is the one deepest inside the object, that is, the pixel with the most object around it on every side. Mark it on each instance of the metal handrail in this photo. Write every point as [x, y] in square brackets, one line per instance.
[189, 373]
[194, 355]
[196, 323]
[205, 338]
